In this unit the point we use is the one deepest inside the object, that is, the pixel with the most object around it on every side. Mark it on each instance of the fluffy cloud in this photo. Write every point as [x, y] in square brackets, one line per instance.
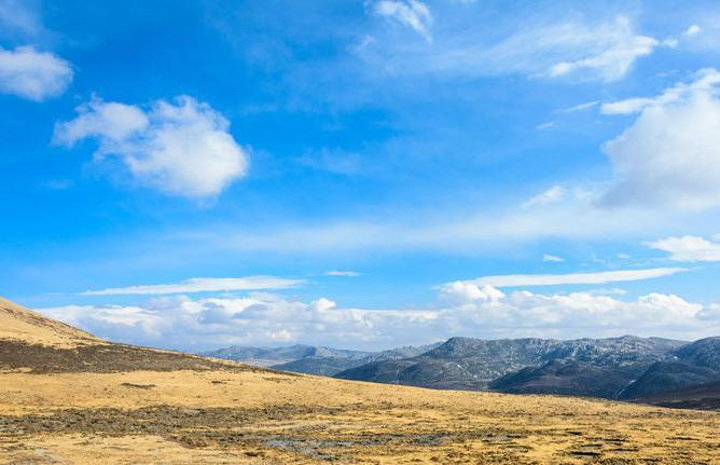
[462, 309]
[181, 148]
[412, 13]
[576, 314]
[33, 75]
[671, 154]
[519, 280]
[689, 249]
[204, 285]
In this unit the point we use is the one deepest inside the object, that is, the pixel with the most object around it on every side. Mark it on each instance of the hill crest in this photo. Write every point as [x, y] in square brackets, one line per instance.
[20, 324]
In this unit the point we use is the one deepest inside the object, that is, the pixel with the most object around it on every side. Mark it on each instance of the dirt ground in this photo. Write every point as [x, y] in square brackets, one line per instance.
[258, 417]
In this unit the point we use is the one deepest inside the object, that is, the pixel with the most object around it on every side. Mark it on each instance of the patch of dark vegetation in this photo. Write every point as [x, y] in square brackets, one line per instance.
[694, 404]
[139, 386]
[233, 428]
[162, 420]
[104, 358]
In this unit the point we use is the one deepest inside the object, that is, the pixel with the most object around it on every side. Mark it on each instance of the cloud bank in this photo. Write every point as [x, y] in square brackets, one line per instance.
[463, 309]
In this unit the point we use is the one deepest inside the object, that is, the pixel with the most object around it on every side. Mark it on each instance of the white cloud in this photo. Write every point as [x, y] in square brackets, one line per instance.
[461, 292]
[689, 249]
[463, 309]
[552, 258]
[412, 13]
[204, 285]
[33, 75]
[604, 277]
[627, 106]
[181, 148]
[621, 47]
[692, 30]
[578, 314]
[342, 273]
[256, 319]
[670, 156]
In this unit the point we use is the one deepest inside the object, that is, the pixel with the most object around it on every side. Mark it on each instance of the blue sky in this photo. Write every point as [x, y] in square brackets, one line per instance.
[377, 162]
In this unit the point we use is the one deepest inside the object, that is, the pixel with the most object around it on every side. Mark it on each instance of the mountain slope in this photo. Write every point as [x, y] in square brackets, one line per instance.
[266, 357]
[690, 366]
[31, 342]
[465, 363]
[568, 377]
[704, 396]
[19, 324]
[324, 361]
[589, 367]
[461, 363]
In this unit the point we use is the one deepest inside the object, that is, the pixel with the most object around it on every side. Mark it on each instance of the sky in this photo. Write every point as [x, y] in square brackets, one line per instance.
[361, 173]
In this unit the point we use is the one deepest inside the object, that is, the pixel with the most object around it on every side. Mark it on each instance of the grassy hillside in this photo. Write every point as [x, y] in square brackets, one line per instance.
[225, 413]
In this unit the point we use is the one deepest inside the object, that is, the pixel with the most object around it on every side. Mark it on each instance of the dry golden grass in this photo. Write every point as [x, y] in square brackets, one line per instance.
[68, 398]
[269, 418]
[20, 324]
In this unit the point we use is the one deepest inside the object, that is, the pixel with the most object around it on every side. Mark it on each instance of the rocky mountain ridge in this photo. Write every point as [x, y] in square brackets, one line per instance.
[624, 368]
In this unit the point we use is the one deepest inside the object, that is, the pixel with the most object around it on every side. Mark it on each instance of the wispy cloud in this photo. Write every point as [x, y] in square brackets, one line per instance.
[412, 13]
[580, 107]
[348, 274]
[452, 230]
[552, 258]
[552, 195]
[622, 49]
[18, 16]
[604, 50]
[604, 277]
[204, 285]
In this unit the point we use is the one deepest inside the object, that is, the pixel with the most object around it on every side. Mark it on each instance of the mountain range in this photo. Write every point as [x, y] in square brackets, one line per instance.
[651, 370]
[324, 361]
